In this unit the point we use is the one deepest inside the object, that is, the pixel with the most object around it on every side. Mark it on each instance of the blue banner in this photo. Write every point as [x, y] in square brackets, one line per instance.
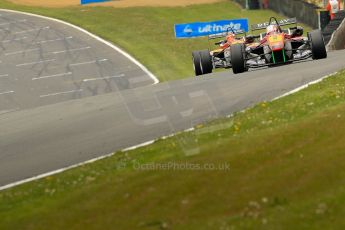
[199, 29]
[92, 1]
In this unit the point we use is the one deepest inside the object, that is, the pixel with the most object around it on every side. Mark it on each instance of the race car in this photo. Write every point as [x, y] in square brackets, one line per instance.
[278, 46]
[204, 61]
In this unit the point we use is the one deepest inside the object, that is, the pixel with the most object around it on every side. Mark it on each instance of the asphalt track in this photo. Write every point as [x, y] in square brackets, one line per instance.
[50, 120]
[45, 62]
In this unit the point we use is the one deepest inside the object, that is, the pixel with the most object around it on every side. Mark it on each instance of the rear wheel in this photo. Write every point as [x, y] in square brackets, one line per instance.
[197, 63]
[238, 61]
[317, 44]
[206, 62]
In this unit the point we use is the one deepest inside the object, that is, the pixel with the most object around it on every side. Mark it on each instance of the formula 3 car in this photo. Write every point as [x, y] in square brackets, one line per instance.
[278, 46]
[204, 61]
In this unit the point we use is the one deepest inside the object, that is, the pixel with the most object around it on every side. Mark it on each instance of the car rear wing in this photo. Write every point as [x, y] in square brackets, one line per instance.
[224, 34]
[283, 22]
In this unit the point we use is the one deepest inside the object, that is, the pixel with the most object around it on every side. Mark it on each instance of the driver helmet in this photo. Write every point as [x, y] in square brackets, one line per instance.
[271, 29]
[230, 37]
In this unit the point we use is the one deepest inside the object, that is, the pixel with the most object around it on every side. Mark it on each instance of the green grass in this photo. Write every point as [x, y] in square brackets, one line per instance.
[286, 163]
[148, 32]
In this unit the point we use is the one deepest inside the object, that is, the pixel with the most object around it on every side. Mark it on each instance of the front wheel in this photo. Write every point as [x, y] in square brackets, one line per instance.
[238, 60]
[206, 62]
[317, 44]
[196, 63]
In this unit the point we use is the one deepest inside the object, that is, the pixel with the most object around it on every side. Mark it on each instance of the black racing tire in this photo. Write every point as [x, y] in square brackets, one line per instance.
[197, 63]
[238, 61]
[206, 62]
[288, 51]
[317, 45]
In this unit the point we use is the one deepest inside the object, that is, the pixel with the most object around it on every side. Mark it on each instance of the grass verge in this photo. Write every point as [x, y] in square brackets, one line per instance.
[278, 165]
[148, 32]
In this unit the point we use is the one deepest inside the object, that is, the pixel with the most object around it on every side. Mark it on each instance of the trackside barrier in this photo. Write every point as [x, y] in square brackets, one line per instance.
[303, 11]
[337, 41]
[324, 19]
[333, 26]
[249, 4]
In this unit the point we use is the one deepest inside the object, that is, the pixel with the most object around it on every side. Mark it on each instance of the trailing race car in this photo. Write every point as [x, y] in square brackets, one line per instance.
[204, 61]
[277, 46]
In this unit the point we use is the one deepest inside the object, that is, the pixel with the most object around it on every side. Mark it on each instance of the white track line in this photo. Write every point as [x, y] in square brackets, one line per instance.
[11, 185]
[34, 63]
[136, 80]
[4, 75]
[151, 75]
[305, 86]
[53, 52]
[14, 40]
[53, 40]
[137, 146]
[88, 62]
[22, 51]
[53, 172]
[103, 78]
[50, 76]
[5, 29]
[13, 22]
[60, 93]
[8, 111]
[31, 30]
[7, 92]
[72, 50]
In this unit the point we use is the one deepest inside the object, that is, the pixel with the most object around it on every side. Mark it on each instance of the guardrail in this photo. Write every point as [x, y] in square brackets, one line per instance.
[305, 12]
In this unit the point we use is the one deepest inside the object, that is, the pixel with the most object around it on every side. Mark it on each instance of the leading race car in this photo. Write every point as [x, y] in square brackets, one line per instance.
[278, 46]
[204, 61]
